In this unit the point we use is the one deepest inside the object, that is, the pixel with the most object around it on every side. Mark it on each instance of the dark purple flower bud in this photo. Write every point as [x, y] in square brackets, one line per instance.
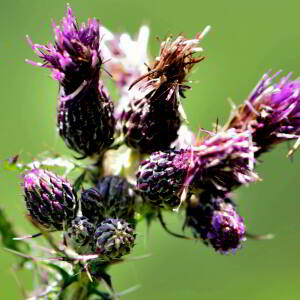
[221, 162]
[114, 239]
[147, 126]
[152, 117]
[85, 121]
[271, 112]
[160, 181]
[215, 220]
[50, 199]
[80, 235]
[112, 197]
[85, 112]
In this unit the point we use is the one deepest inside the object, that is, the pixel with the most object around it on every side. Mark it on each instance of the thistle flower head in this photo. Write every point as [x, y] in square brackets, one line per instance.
[85, 112]
[49, 198]
[80, 235]
[155, 97]
[114, 239]
[75, 56]
[175, 61]
[271, 112]
[112, 197]
[215, 220]
[220, 162]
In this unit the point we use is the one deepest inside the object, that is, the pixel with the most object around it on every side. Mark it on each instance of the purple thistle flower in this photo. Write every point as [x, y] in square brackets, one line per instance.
[216, 222]
[271, 112]
[50, 199]
[220, 162]
[85, 112]
[223, 161]
[75, 56]
[155, 97]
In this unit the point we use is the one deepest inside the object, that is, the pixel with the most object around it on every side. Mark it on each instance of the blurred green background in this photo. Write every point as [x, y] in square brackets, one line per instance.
[247, 39]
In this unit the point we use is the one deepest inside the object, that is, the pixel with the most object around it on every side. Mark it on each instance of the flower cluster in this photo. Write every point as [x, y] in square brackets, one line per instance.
[221, 162]
[145, 160]
[52, 205]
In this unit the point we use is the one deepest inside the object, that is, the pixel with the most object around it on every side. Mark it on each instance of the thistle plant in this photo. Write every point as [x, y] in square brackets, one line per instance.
[142, 158]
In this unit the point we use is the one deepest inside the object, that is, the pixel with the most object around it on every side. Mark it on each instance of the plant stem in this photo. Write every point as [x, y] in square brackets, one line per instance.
[78, 290]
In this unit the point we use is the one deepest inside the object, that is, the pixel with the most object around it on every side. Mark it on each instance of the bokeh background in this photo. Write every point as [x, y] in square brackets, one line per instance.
[247, 39]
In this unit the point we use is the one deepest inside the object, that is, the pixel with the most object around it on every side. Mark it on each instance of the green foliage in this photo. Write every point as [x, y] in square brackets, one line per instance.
[7, 235]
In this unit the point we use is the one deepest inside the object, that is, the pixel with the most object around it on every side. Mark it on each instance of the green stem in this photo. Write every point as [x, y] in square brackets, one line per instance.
[79, 290]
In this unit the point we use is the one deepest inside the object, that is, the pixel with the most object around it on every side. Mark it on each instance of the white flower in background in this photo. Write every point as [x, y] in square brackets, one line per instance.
[125, 59]
[186, 138]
